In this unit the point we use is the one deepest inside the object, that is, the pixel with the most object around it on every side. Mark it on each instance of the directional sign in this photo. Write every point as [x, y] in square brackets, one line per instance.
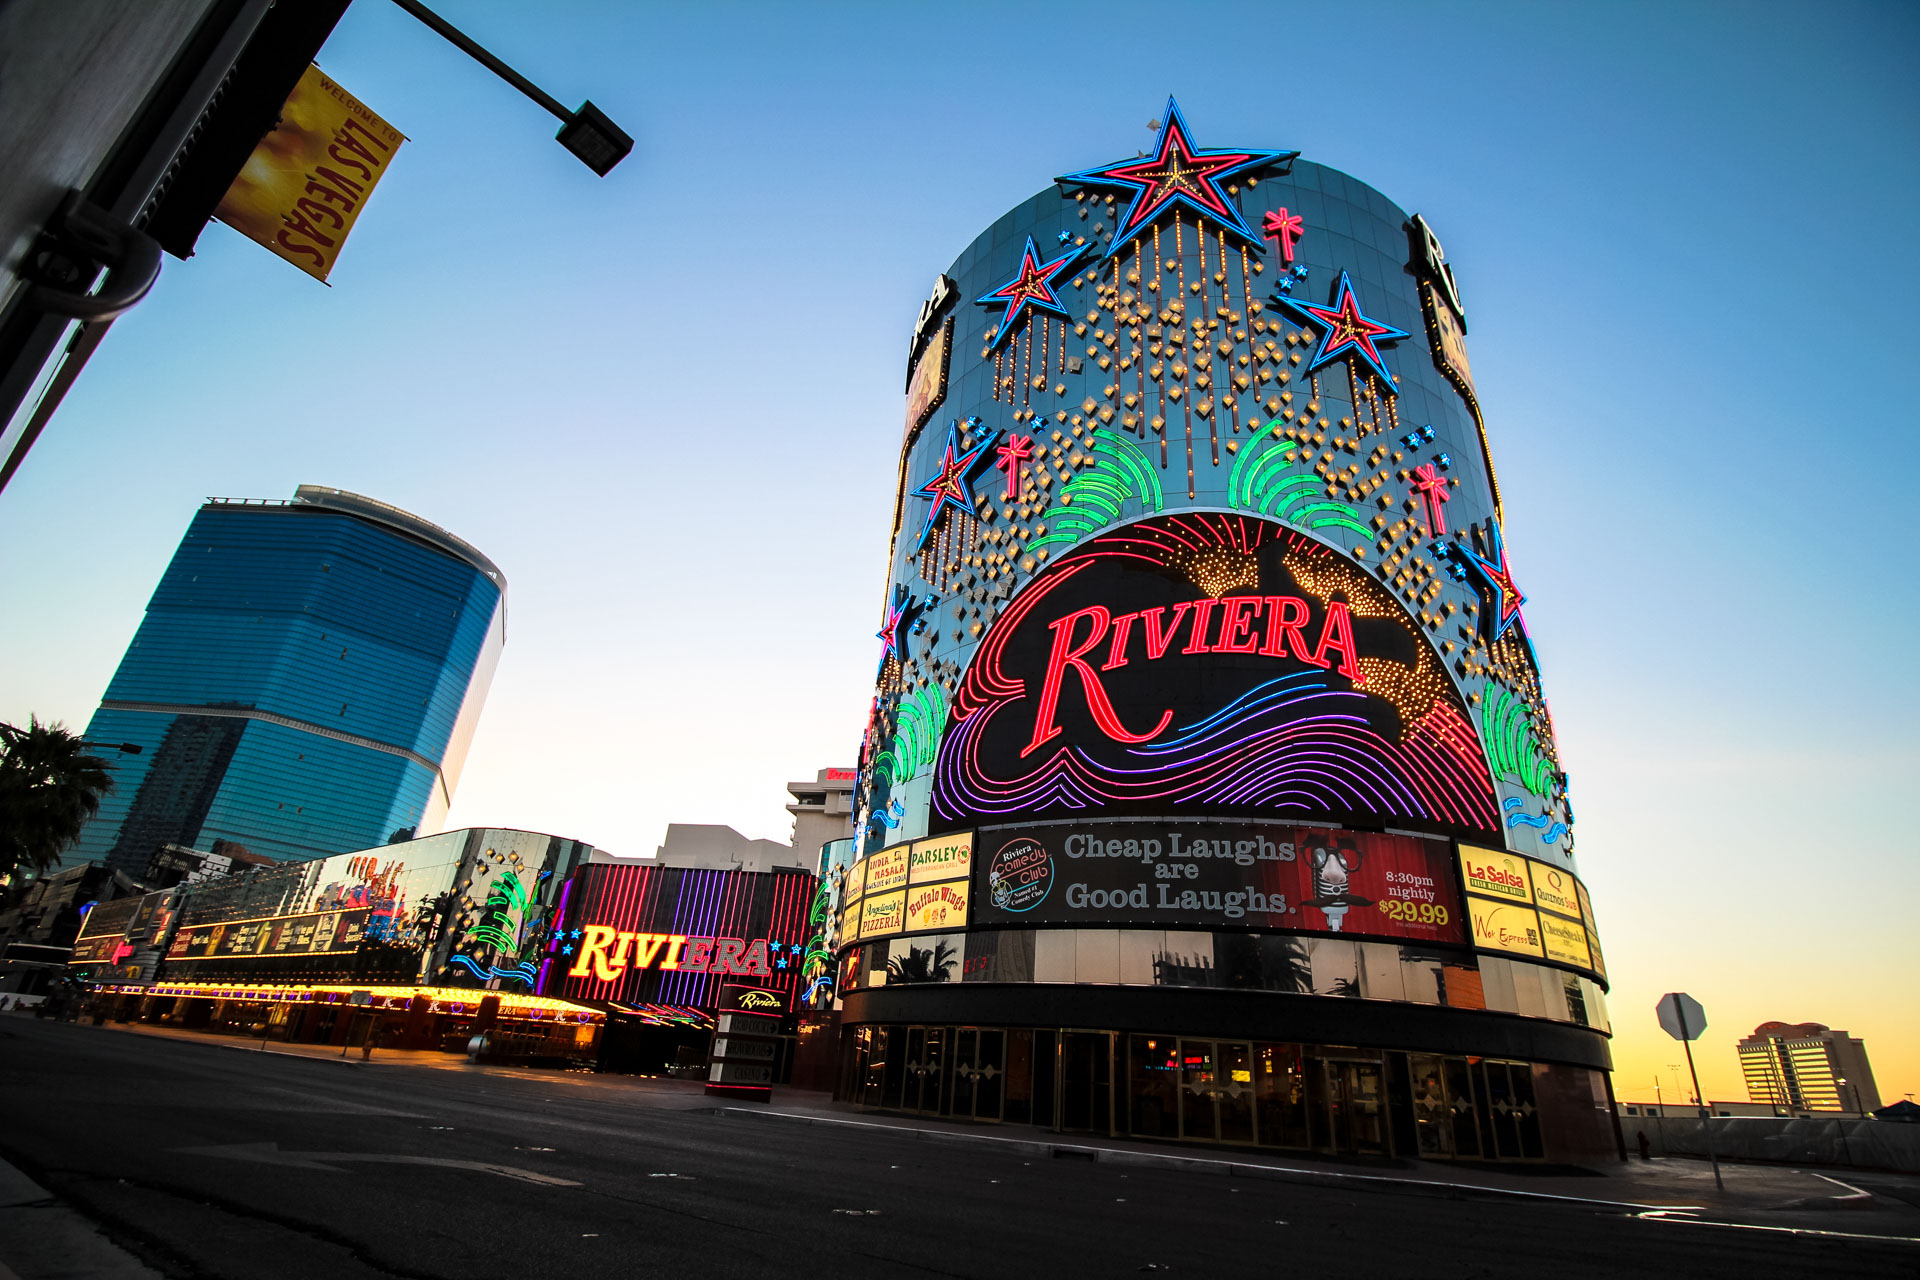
[270, 1153]
[1681, 1016]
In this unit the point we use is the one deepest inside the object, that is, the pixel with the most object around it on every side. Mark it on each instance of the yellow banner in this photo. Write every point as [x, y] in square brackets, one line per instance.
[948, 858]
[883, 915]
[1565, 941]
[304, 186]
[1599, 960]
[1555, 890]
[887, 869]
[937, 906]
[856, 882]
[1505, 926]
[1495, 873]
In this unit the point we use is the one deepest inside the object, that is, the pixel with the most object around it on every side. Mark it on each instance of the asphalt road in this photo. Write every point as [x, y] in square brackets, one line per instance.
[421, 1172]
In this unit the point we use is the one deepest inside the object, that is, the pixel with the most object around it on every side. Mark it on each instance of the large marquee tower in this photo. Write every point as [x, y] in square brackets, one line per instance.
[1209, 790]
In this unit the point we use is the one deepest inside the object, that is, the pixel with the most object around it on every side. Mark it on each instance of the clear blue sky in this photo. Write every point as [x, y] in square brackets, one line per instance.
[667, 404]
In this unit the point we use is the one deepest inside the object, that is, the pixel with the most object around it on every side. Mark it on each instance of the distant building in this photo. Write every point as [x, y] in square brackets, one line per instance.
[1804, 1066]
[174, 864]
[306, 682]
[822, 810]
[711, 847]
[1688, 1111]
[38, 929]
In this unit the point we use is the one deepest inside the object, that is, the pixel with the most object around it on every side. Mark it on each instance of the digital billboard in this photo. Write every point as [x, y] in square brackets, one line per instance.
[1221, 664]
[1202, 875]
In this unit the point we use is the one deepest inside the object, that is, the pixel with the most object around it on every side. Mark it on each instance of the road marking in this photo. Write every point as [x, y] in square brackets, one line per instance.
[270, 1153]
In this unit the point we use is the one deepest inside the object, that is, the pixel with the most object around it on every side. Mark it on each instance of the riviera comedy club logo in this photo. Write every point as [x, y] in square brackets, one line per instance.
[1020, 875]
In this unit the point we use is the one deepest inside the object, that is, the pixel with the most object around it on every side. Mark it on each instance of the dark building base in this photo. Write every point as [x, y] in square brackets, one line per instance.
[1239, 1068]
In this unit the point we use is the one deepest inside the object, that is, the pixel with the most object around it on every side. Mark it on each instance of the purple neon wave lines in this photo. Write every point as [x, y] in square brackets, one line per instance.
[1306, 748]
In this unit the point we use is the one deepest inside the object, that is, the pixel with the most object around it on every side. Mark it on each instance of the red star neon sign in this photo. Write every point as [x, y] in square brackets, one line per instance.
[1178, 174]
[1032, 286]
[948, 485]
[1504, 598]
[1345, 331]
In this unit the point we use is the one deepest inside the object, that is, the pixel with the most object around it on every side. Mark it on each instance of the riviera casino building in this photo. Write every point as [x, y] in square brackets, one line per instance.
[1209, 791]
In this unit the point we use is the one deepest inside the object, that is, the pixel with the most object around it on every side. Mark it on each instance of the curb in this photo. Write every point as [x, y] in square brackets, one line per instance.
[1226, 1168]
[1854, 1199]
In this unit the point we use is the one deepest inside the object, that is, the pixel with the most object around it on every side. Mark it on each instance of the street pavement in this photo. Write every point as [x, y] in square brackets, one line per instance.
[202, 1156]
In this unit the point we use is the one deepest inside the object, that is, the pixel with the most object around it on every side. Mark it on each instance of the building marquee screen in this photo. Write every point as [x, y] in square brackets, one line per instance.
[1217, 663]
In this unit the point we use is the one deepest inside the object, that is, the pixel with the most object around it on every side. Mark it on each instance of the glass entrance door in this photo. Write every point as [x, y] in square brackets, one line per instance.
[979, 1073]
[1216, 1091]
[1086, 1081]
[1349, 1111]
[926, 1063]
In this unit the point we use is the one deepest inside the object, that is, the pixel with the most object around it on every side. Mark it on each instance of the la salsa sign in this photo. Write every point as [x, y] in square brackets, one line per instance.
[1220, 662]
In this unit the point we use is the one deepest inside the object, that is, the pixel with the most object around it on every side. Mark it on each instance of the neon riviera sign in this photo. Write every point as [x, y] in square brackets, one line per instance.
[1262, 625]
[1212, 659]
[605, 953]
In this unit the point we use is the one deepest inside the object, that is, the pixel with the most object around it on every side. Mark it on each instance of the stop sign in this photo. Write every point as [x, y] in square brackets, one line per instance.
[1681, 1016]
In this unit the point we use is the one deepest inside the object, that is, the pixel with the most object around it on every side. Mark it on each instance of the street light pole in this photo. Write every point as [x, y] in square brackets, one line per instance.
[598, 142]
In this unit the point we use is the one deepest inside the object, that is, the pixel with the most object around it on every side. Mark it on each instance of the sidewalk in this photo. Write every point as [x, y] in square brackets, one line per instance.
[1668, 1183]
[42, 1239]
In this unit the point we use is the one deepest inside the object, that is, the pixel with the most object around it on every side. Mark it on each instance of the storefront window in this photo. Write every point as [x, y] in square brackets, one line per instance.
[1153, 1087]
[1335, 965]
[1280, 1095]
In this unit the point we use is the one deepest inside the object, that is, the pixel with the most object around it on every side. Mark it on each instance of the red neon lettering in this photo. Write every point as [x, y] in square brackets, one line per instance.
[1336, 633]
[1157, 640]
[755, 961]
[699, 953]
[1202, 614]
[1117, 652]
[1065, 654]
[1238, 617]
[1286, 615]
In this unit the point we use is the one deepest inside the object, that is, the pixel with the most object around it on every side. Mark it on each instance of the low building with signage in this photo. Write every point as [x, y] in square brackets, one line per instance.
[1209, 791]
[550, 948]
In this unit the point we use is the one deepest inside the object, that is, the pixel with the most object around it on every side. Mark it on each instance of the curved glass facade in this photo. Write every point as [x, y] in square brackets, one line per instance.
[304, 683]
[1205, 685]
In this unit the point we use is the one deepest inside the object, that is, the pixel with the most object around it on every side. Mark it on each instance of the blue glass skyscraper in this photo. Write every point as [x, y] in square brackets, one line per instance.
[306, 682]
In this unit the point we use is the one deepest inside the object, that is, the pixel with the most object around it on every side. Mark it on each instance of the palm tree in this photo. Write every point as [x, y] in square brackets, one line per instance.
[49, 787]
[922, 965]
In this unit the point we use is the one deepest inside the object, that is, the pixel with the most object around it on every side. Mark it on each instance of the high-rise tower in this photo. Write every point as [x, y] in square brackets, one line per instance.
[1209, 790]
[306, 681]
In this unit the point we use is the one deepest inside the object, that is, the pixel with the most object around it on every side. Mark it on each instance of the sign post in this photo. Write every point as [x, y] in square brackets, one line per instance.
[1682, 1018]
